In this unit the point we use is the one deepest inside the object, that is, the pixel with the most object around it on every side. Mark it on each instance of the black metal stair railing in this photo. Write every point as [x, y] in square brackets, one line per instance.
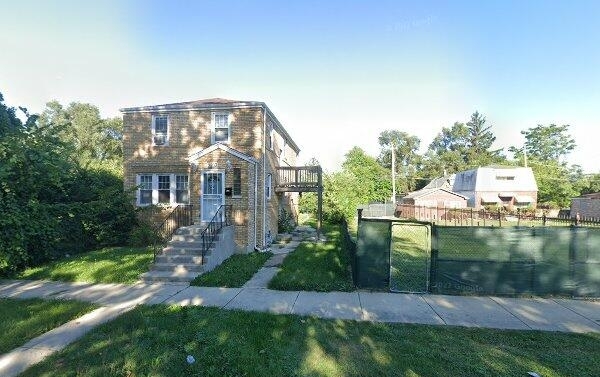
[180, 216]
[221, 219]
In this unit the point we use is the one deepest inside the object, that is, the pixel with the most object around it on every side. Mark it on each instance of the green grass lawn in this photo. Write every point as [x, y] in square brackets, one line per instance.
[155, 341]
[234, 272]
[322, 266]
[108, 265]
[23, 320]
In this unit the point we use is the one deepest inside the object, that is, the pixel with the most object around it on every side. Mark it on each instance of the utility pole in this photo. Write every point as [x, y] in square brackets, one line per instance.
[393, 173]
[525, 155]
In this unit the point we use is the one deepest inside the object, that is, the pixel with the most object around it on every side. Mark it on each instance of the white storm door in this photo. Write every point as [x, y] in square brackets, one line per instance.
[212, 194]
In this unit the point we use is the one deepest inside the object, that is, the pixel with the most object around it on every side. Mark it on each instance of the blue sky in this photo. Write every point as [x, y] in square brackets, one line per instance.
[336, 74]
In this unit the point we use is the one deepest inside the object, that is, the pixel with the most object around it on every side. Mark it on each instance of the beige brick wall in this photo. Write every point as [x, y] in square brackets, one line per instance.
[189, 132]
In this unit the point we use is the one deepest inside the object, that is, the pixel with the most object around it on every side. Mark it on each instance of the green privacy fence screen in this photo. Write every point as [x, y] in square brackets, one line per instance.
[516, 260]
[478, 260]
[373, 254]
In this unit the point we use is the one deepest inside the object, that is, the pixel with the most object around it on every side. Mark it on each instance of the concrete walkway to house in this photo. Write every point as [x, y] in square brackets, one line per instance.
[491, 312]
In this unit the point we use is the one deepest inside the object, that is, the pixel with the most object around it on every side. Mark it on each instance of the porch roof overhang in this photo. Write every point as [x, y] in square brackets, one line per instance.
[523, 199]
[489, 198]
[197, 155]
[505, 194]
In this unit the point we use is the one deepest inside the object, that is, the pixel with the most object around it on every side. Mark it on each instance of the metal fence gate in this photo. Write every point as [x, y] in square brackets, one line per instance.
[410, 251]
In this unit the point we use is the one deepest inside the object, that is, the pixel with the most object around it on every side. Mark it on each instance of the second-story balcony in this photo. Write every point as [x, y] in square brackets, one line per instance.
[299, 179]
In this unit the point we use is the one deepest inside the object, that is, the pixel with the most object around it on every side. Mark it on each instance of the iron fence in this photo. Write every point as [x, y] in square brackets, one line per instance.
[487, 217]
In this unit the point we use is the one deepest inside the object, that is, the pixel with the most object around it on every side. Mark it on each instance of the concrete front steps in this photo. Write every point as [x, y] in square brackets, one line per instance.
[181, 260]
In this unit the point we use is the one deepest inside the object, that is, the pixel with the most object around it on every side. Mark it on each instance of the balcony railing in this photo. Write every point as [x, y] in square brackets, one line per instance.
[298, 178]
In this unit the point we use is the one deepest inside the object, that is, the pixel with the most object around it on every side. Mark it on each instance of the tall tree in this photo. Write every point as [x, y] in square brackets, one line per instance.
[546, 143]
[547, 148]
[481, 139]
[405, 148]
[80, 124]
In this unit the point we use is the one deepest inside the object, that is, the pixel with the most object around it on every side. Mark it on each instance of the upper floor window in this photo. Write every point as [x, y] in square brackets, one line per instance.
[220, 132]
[160, 130]
[282, 152]
[268, 184]
[270, 136]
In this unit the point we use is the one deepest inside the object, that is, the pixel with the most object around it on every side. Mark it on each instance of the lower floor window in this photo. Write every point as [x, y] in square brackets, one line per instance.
[162, 189]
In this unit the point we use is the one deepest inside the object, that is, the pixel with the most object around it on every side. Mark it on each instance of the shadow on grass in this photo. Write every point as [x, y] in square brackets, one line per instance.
[156, 341]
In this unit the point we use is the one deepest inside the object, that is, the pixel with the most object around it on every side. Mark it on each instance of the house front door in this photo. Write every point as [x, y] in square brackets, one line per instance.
[212, 194]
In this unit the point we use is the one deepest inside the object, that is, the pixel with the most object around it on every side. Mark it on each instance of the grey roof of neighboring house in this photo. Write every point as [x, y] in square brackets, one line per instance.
[427, 191]
[441, 182]
[214, 103]
[486, 179]
[593, 195]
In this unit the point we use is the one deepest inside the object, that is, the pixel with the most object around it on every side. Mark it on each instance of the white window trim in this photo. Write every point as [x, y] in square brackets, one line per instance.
[213, 171]
[233, 195]
[271, 136]
[283, 154]
[213, 127]
[269, 186]
[172, 189]
[166, 143]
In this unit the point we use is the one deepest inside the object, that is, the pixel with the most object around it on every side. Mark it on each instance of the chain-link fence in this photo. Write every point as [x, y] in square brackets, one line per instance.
[378, 210]
[408, 256]
[409, 259]
[516, 260]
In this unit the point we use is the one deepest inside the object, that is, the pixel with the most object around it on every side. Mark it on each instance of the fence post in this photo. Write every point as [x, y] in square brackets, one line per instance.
[483, 216]
[445, 215]
[572, 251]
[471, 216]
[433, 261]
[518, 216]
[499, 218]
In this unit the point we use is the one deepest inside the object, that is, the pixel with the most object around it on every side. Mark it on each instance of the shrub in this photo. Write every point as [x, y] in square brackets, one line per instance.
[285, 222]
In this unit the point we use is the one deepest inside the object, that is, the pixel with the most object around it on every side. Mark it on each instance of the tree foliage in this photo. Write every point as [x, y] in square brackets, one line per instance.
[51, 204]
[361, 181]
[546, 148]
[405, 147]
[80, 125]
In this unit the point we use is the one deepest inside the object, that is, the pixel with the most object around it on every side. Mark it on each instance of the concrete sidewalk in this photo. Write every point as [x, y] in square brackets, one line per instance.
[564, 315]
[547, 314]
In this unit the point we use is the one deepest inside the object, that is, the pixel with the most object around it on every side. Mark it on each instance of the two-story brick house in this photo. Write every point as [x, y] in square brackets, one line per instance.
[208, 153]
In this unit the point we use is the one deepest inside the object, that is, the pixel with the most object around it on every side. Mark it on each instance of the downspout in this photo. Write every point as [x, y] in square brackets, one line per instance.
[264, 180]
[255, 203]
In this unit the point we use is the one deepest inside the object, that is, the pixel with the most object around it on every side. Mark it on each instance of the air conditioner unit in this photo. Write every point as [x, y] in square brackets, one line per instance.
[160, 139]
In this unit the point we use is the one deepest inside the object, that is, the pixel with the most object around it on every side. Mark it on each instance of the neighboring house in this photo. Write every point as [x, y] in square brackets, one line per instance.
[435, 197]
[208, 153]
[510, 187]
[587, 206]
